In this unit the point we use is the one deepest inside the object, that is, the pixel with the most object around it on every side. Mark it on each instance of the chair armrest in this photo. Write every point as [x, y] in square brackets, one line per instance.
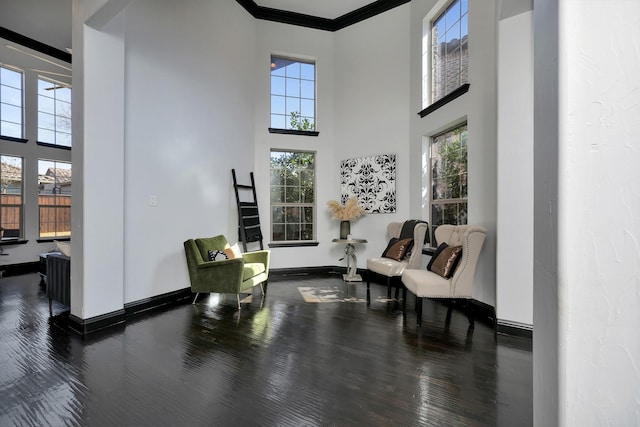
[262, 256]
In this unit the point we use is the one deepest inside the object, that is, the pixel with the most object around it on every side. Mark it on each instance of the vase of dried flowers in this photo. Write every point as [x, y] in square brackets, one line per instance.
[345, 229]
[345, 214]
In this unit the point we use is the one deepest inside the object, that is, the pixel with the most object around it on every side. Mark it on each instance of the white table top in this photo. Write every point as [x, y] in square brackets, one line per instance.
[352, 240]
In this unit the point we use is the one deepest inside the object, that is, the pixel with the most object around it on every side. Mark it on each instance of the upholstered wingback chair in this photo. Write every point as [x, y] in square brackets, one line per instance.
[459, 285]
[391, 269]
[234, 276]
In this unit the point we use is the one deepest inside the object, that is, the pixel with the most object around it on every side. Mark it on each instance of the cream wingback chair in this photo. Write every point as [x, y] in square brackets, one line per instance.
[391, 269]
[429, 284]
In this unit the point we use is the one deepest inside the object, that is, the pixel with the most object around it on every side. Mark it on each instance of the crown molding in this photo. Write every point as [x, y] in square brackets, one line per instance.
[325, 24]
[25, 41]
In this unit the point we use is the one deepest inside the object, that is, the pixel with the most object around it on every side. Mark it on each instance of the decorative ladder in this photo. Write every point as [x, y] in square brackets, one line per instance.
[248, 217]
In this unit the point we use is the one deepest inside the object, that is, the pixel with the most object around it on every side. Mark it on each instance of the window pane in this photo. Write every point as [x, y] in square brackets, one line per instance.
[278, 121]
[307, 71]
[13, 130]
[293, 80]
[449, 177]
[11, 181]
[307, 108]
[63, 138]
[277, 104]
[46, 105]
[277, 194]
[293, 105]
[277, 66]
[278, 233]
[46, 121]
[292, 69]
[11, 96]
[46, 136]
[10, 78]
[54, 113]
[293, 88]
[54, 198]
[11, 113]
[277, 85]
[63, 94]
[448, 60]
[307, 89]
[296, 171]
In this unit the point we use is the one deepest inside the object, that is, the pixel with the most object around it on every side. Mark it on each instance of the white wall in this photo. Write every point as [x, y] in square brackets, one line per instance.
[599, 206]
[478, 107]
[362, 87]
[514, 258]
[304, 43]
[371, 115]
[190, 70]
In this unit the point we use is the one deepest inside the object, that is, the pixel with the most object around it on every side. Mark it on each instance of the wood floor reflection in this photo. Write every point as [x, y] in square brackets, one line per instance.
[277, 362]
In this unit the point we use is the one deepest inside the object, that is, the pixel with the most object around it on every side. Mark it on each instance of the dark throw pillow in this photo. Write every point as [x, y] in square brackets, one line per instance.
[397, 248]
[439, 249]
[216, 255]
[446, 262]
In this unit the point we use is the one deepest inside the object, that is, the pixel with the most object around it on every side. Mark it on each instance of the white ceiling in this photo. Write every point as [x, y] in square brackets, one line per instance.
[330, 9]
[49, 21]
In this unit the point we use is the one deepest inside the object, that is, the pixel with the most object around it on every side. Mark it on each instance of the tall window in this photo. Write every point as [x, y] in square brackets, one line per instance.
[293, 94]
[448, 160]
[11, 114]
[449, 49]
[292, 196]
[11, 197]
[54, 113]
[54, 198]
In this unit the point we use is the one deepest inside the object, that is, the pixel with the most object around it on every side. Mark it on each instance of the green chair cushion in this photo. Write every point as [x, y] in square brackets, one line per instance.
[252, 269]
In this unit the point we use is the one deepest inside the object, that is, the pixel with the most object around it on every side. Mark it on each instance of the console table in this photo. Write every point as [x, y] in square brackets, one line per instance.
[352, 261]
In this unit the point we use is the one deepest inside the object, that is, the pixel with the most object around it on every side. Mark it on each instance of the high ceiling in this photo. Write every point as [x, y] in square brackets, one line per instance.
[330, 9]
[49, 21]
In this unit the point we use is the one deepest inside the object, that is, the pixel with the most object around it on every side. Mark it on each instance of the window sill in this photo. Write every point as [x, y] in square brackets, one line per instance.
[294, 132]
[445, 100]
[12, 241]
[292, 244]
[46, 144]
[52, 239]
[12, 139]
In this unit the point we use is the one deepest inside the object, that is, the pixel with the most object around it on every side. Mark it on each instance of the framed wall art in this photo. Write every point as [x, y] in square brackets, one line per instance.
[372, 180]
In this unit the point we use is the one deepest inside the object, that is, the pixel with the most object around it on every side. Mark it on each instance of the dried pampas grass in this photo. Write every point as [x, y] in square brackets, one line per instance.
[351, 210]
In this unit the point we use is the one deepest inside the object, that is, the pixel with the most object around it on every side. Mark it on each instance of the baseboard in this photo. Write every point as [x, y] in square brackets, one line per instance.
[180, 296]
[506, 327]
[19, 269]
[299, 271]
[85, 327]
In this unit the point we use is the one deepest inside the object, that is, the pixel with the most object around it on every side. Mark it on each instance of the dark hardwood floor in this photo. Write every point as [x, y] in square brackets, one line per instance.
[287, 363]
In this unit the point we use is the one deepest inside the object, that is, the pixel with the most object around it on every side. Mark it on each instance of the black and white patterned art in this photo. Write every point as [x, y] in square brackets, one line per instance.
[372, 180]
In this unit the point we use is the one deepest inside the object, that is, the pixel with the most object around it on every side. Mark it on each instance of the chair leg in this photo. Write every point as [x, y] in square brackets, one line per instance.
[404, 302]
[368, 287]
[50, 309]
[238, 298]
[419, 311]
[388, 287]
[196, 297]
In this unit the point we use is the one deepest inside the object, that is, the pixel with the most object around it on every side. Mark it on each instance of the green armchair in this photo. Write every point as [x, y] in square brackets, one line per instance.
[232, 276]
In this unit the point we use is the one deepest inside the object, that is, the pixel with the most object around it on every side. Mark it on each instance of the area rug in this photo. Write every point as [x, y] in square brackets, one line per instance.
[326, 294]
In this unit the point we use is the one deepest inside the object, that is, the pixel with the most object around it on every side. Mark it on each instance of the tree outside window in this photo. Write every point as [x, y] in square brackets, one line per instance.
[292, 196]
[449, 177]
[54, 113]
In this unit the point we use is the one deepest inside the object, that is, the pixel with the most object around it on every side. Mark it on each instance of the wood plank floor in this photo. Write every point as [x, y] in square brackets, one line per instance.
[285, 363]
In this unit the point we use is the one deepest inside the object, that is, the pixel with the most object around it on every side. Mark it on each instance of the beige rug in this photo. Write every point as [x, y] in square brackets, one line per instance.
[316, 294]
